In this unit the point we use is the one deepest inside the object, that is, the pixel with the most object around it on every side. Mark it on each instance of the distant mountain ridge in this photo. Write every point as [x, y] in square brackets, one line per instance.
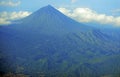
[53, 44]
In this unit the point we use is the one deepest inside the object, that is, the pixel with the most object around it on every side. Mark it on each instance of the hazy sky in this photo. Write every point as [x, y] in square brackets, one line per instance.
[101, 11]
[101, 6]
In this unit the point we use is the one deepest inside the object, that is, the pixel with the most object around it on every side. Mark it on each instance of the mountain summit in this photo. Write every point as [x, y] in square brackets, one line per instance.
[50, 20]
[48, 8]
[49, 15]
[50, 43]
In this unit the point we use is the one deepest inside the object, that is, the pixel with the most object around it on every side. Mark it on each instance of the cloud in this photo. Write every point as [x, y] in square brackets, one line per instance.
[9, 3]
[73, 1]
[7, 17]
[88, 15]
[3, 21]
[116, 11]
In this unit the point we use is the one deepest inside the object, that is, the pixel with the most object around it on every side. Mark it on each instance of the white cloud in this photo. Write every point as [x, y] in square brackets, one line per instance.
[116, 11]
[73, 1]
[9, 3]
[6, 17]
[3, 21]
[88, 15]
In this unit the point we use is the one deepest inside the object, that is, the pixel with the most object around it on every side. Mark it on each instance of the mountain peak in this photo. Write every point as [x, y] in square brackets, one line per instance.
[50, 6]
[49, 16]
[44, 12]
[47, 8]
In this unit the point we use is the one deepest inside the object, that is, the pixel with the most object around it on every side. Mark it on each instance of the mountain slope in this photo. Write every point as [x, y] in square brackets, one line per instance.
[51, 43]
[49, 19]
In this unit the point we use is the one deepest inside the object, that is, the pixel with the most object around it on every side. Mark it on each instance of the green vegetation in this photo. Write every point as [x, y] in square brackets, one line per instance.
[49, 44]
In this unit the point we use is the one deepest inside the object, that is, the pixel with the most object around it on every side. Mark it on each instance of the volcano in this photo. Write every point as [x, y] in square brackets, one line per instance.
[51, 44]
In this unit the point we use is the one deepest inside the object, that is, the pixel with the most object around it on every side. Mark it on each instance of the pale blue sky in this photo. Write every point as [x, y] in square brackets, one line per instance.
[101, 6]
